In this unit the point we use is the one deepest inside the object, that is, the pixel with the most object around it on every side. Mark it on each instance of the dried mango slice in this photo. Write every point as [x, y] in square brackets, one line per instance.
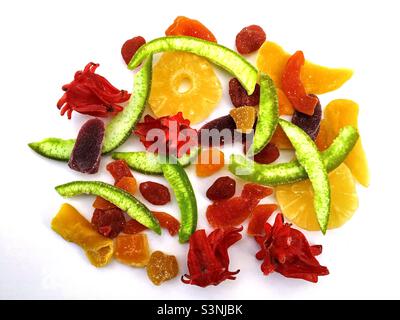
[73, 227]
[316, 79]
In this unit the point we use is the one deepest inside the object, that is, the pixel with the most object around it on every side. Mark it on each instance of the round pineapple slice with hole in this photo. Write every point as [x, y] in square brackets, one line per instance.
[297, 200]
[184, 82]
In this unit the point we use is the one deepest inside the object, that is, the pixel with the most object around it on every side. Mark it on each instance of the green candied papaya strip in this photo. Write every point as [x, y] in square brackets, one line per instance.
[268, 114]
[122, 199]
[310, 159]
[118, 129]
[285, 173]
[148, 163]
[226, 58]
[184, 193]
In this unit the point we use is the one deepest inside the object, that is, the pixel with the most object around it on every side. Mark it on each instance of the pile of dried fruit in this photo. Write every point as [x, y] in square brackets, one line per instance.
[315, 191]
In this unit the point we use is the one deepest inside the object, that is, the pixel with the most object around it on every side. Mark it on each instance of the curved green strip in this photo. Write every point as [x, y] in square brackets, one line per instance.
[183, 190]
[268, 114]
[122, 199]
[148, 163]
[309, 157]
[118, 129]
[226, 58]
[285, 173]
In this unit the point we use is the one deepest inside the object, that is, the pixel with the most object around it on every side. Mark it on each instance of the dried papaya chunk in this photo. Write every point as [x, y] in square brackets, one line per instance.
[132, 249]
[162, 267]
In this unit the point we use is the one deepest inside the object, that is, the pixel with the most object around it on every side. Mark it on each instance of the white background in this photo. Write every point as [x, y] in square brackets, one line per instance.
[44, 42]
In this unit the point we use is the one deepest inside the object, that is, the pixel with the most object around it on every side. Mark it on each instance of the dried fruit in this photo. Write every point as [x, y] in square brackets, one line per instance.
[239, 96]
[119, 169]
[340, 113]
[294, 88]
[184, 26]
[108, 223]
[296, 200]
[222, 188]
[309, 124]
[316, 79]
[286, 250]
[102, 204]
[259, 218]
[269, 154]
[127, 184]
[322, 141]
[209, 161]
[130, 47]
[217, 132]
[161, 267]
[285, 107]
[132, 249]
[281, 140]
[208, 259]
[184, 82]
[250, 39]
[174, 135]
[244, 118]
[91, 94]
[234, 211]
[166, 221]
[155, 193]
[133, 227]
[86, 154]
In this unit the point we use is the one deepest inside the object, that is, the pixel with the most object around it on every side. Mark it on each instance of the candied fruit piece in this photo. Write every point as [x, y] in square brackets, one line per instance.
[281, 140]
[222, 188]
[133, 227]
[239, 96]
[119, 169]
[255, 192]
[155, 193]
[209, 161]
[184, 26]
[285, 107]
[168, 222]
[322, 140]
[108, 223]
[268, 154]
[250, 39]
[260, 216]
[130, 47]
[132, 249]
[128, 184]
[102, 204]
[310, 124]
[86, 154]
[244, 118]
[162, 267]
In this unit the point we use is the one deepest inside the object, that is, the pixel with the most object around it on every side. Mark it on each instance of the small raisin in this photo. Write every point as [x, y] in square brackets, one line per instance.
[155, 193]
[108, 223]
[239, 96]
[130, 47]
[250, 39]
[310, 124]
[222, 188]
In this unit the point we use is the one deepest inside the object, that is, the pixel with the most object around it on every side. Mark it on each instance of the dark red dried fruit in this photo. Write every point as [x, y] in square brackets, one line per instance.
[130, 47]
[250, 39]
[166, 221]
[222, 188]
[108, 223]
[119, 169]
[255, 192]
[86, 154]
[133, 227]
[91, 94]
[310, 124]
[239, 96]
[155, 193]
[269, 154]
[259, 218]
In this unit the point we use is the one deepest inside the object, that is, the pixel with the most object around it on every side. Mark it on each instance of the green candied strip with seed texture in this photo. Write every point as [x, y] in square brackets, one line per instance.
[226, 58]
[309, 157]
[184, 194]
[149, 163]
[267, 114]
[290, 172]
[118, 129]
[122, 199]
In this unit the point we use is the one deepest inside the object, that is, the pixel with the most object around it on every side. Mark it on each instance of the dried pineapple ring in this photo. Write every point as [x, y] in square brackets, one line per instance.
[170, 73]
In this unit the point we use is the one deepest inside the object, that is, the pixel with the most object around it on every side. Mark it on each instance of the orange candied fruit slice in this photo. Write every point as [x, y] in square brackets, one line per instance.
[209, 161]
[128, 184]
[184, 26]
[244, 118]
[285, 107]
[259, 217]
[132, 249]
[281, 140]
[162, 267]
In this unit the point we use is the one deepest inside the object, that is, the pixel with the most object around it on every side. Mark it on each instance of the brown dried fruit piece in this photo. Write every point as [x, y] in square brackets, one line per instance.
[222, 188]
[239, 96]
[250, 39]
[155, 193]
[162, 267]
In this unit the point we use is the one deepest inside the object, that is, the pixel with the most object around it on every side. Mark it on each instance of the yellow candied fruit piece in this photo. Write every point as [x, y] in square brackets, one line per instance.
[244, 118]
[171, 74]
[132, 249]
[316, 79]
[297, 200]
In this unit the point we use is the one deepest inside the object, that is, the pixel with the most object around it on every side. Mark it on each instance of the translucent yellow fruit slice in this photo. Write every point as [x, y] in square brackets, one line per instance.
[340, 113]
[296, 200]
[184, 82]
[316, 79]
[244, 118]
